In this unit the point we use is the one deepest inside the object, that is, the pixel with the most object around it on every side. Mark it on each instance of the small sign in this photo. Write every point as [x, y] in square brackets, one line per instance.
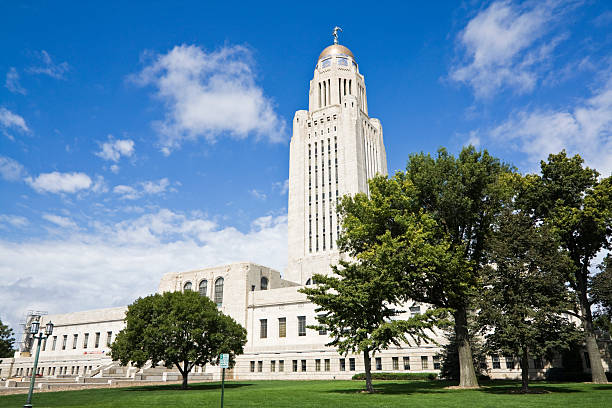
[224, 360]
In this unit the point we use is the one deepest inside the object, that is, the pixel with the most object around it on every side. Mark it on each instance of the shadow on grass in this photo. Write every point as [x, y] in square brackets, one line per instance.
[192, 387]
[390, 387]
[490, 387]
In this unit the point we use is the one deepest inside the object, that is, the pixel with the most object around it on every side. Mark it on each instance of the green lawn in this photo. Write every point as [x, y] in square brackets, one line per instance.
[319, 394]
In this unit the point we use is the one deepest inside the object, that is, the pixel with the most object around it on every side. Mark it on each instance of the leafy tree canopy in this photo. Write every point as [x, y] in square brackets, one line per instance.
[7, 341]
[176, 328]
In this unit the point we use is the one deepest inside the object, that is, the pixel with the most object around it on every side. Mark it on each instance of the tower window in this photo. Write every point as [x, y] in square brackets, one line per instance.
[219, 292]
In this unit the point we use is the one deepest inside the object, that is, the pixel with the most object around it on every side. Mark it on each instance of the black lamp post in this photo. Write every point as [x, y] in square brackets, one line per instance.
[34, 331]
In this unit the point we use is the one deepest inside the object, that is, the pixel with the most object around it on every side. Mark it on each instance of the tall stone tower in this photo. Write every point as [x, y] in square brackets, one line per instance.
[335, 148]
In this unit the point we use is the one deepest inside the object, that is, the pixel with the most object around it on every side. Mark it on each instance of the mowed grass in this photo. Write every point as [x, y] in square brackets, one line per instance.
[319, 394]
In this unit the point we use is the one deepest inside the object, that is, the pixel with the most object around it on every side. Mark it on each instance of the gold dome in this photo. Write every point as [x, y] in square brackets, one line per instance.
[336, 49]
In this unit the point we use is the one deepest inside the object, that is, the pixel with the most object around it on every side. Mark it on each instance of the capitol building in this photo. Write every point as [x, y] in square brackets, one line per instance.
[335, 148]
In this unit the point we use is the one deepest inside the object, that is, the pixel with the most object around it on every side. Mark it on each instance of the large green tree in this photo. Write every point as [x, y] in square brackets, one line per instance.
[578, 203]
[180, 329]
[601, 295]
[356, 308]
[426, 228]
[6, 341]
[524, 295]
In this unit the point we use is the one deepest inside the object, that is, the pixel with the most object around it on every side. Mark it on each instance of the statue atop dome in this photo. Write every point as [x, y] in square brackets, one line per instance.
[336, 29]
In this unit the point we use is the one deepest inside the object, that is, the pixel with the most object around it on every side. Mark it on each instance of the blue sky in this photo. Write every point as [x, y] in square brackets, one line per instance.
[142, 138]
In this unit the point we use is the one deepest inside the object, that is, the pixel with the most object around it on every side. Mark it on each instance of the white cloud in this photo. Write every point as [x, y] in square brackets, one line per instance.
[12, 82]
[585, 128]
[113, 149]
[115, 263]
[48, 67]
[10, 169]
[114, 168]
[209, 95]
[260, 195]
[506, 45]
[281, 186]
[57, 182]
[16, 221]
[60, 221]
[11, 120]
[142, 188]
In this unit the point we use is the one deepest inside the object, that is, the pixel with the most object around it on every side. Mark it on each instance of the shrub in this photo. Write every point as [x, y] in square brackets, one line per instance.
[564, 375]
[398, 376]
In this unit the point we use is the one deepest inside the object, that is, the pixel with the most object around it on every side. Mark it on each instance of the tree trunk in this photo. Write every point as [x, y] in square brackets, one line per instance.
[598, 374]
[467, 374]
[525, 371]
[367, 361]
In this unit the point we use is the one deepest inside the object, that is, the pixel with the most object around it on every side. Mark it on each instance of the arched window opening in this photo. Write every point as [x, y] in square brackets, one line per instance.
[203, 287]
[219, 292]
[187, 286]
[308, 282]
[264, 283]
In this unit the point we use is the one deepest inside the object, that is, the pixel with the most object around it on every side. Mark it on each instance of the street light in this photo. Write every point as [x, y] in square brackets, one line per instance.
[34, 327]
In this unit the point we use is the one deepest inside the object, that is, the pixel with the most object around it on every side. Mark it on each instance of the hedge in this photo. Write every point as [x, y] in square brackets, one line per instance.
[398, 376]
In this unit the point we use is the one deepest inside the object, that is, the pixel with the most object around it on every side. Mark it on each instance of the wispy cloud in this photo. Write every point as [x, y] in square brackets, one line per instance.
[46, 66]
[209, 95]
[16, 221]
[143, 188]
[10, 120]
[584, 127]
[60, 221]
[12, 82]
[507, 45]
[126, 259]
[113, 149]
[11, 170]
[259, 195]
[57, 182]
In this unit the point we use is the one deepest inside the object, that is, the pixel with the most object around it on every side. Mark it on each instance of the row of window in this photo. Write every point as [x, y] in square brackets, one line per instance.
[203, 289]
[75, 340]
[326, 366]
[322, 120]
[64, 370]
[282, 327]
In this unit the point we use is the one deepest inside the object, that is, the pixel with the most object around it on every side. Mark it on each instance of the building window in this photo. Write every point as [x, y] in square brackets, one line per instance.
[352, 364]
[327, 364]
[75, 341]
[342, 364]
[273, 366]
[436, 362]
[415, 311]
[318, 364]
[424, 363]
[97, 343]
[510, 362]
[406, 363]
[264, 283]
[281, 365]
[64, 341]
[303, 365]
[187, 286]
[54, 343]
[395, 363]
[263, 328]
[301, 325]
[85, 340]
[203, 287]
[495, 360]
[483, 363]
[109, 336]
[294, 366]
[259, 366]
[379, 363]
[252, 366]
[282, 327]
[219, 292]
[323, 330]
